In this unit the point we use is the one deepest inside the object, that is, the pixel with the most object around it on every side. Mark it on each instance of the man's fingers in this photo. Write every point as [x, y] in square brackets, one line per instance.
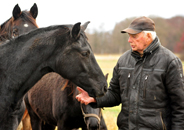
[84, 102]
[80, 89]
[81, 97]
[78, 97]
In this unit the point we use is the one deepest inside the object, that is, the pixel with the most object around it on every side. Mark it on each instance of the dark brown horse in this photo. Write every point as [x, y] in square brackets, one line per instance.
[20, 23]
[63, 49]
[52, 102]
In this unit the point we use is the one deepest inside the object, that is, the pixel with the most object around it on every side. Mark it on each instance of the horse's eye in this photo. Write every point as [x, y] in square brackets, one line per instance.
[85, 53]
[15, 32]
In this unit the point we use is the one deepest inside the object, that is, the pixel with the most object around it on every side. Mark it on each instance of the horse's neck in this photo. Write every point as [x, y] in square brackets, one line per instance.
[23, 65]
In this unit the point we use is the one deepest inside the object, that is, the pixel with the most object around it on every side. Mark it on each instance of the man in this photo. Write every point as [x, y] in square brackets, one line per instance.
[147, 80]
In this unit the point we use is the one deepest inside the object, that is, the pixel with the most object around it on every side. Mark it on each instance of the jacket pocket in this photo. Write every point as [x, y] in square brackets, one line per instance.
[150, 119]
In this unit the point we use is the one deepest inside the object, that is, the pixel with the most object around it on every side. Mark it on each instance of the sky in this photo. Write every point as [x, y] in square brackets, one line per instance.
[102, 14]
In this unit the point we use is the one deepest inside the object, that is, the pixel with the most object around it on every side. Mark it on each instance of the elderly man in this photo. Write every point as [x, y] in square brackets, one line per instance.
[148, 82]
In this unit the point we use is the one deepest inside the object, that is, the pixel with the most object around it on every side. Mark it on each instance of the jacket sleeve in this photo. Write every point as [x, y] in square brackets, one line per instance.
[112, 96]
[175, 88]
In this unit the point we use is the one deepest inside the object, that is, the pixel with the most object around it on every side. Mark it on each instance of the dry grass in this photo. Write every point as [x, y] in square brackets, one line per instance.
[107, 63]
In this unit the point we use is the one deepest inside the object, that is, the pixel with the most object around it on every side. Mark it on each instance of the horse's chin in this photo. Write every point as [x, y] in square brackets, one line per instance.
[93, 92]
[96, 94]
[92, 95]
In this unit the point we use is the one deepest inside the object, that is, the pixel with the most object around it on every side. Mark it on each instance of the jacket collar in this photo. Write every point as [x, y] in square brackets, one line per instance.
[149, 50]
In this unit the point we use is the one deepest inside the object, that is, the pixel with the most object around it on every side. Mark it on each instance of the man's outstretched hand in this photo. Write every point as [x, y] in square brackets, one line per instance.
[84, 97]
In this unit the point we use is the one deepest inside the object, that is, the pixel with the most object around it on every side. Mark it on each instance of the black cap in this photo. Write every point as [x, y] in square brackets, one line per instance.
[140, 24]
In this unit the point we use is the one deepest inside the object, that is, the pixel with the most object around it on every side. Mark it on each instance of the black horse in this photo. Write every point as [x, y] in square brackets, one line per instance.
[20, 23]
[49, 104]
[63, 49]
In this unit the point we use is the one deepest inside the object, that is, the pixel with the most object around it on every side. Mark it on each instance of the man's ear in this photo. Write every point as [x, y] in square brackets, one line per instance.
[149, 37]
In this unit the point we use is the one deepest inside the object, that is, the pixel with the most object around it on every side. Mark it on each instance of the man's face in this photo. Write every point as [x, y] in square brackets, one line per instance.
[138, 42]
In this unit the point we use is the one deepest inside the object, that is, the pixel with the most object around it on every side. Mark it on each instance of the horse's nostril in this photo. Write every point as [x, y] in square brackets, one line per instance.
[105, 88]
[93, 127]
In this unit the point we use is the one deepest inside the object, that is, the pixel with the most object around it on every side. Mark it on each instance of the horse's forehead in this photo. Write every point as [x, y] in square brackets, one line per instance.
[25, 19]
[84, 45]
[21, 21]
[83, 40]
[89, 109]
[23, 24]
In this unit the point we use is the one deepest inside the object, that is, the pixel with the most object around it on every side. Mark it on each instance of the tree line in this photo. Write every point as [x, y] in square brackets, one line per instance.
[170, 32]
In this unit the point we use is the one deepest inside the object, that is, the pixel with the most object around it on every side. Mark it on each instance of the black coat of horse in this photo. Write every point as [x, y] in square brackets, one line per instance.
[20, 23]
[47, 102]
[63, 49]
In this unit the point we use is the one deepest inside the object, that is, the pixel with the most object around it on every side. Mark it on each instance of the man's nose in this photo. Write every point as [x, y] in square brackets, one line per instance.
[129, 40]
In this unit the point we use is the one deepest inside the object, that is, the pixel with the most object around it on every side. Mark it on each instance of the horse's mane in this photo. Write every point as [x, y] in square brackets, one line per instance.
[3, 24]
[36, 32]
[39, 37]
[67, 83]
[43, 36]
[45, 29]
[5, 29]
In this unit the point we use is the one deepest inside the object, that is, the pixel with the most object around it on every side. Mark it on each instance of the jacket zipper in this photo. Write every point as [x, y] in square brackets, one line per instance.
[128, 84]
[163, 125]
[138, 94]
[145, 86]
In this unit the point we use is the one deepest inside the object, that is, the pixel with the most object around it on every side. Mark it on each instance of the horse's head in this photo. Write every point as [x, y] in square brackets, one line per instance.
[92, 117]
[79, 64]
[24, 21]
[20, 23]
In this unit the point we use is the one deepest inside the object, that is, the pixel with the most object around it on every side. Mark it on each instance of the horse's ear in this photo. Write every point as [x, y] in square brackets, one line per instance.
[76, 31]
[16, 12]
[106, 76]
[84, 26]
[34, 11]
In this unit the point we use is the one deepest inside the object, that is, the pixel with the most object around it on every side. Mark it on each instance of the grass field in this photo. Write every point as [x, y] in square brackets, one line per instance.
[107, 63]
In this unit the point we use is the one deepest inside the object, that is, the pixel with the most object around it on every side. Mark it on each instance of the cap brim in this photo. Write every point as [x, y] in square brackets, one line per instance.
[131, 31]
